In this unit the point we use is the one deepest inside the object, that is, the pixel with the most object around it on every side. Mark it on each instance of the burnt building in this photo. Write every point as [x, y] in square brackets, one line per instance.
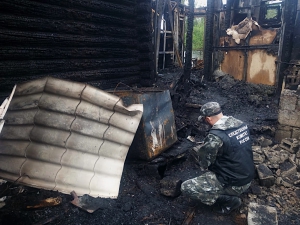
[254, 41]
[105, 43]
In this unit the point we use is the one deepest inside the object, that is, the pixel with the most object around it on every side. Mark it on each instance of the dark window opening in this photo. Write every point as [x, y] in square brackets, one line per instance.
[239, 17]
[270, 14]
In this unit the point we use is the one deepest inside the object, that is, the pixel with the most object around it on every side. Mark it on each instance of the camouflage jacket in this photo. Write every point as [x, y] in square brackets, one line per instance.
[212, 146]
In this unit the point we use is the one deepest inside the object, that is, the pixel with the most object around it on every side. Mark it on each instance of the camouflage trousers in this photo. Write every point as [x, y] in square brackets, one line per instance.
[207, 188]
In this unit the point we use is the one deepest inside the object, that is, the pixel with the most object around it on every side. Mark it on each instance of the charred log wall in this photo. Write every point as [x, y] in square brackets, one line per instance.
[100, 42]
[144, 38]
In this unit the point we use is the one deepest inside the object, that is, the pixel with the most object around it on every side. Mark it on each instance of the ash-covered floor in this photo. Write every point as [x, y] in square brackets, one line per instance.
[140, 200]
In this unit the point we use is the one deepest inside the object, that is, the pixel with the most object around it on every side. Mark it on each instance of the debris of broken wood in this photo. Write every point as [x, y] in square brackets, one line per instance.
[90, 204]
[189, 217]
[48, 202]
[83, 203]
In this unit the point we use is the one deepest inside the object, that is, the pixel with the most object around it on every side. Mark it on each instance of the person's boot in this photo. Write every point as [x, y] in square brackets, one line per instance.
[225, 204]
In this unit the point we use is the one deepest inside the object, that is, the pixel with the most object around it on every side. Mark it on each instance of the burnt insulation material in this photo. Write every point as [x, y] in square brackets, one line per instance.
[98, 42]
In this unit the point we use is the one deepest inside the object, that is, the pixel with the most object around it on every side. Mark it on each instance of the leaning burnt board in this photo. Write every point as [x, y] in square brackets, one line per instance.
[67, 136]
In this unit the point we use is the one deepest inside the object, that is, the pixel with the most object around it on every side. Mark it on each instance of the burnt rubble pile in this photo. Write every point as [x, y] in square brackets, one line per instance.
[278, 180]
[150, 190]
[276, 153]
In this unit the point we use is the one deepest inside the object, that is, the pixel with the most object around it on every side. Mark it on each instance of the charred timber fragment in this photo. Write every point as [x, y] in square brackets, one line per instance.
[46, 203]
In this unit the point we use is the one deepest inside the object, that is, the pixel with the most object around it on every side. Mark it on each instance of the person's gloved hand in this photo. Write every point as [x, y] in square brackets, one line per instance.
[195, 155]
[194, 152]
[196, 148]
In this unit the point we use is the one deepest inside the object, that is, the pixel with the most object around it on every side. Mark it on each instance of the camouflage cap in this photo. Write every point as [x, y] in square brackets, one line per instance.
[209, 109]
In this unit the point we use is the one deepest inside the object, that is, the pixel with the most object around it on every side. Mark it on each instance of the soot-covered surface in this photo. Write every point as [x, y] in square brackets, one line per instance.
[139, 200]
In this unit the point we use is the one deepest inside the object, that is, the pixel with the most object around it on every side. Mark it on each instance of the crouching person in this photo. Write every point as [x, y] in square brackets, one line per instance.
[227, 153]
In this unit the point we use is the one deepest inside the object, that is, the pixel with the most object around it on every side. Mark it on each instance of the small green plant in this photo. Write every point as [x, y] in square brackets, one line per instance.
[271, 14]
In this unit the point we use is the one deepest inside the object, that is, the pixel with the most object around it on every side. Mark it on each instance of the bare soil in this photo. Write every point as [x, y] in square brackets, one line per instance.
[140, 200]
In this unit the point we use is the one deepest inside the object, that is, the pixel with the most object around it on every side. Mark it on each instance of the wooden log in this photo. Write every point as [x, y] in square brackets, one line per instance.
[41, 10]
[58, 65]
[26, 38]
[66, 27]
[26, 53]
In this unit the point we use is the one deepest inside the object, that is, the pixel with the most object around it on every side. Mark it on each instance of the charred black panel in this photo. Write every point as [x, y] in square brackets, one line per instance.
[101, 42]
